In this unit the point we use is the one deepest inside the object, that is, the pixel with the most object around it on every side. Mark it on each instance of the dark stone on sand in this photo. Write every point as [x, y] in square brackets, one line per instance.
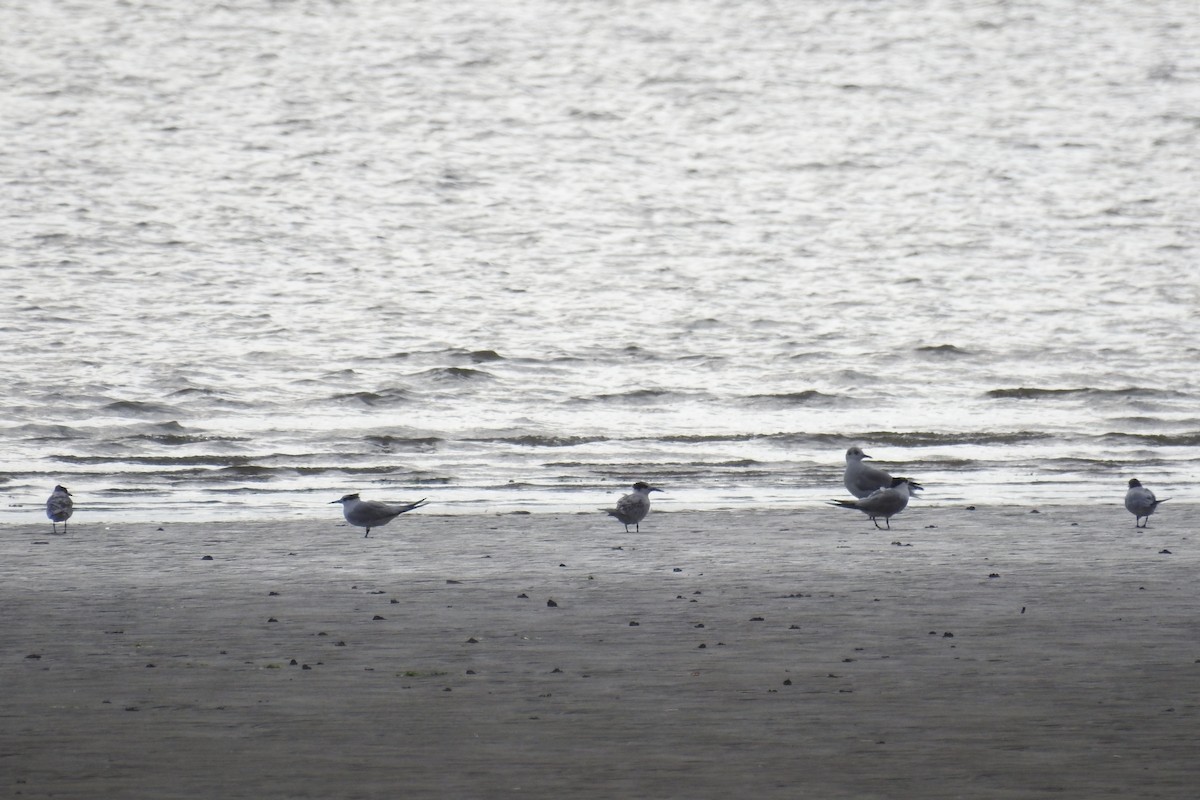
[698, 625]
[551, 604]
[34, 655]
[293, 662]
[306, 666]
[272, 619]
[377, 617]
[634, 623]
[339, 644]
[702, 646]
[523, 596]
[272, 594]
[947, 635]
[994, 575]
[1164, 552]
[787, 682]
[393, 601]
[472, 640]
[756, 619]
[206, 558]
[676, 569]
[149, 666]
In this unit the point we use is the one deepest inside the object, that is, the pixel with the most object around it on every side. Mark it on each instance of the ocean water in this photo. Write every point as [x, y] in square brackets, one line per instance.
[515, 256]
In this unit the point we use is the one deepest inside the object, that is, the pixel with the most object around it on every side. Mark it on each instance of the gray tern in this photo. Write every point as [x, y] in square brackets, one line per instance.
[633, 507]
[372, 514]
[59, 508]
[884, 503]
[1140, 502]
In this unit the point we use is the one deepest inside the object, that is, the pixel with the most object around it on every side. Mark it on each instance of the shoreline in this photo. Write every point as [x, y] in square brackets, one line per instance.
[994, 653]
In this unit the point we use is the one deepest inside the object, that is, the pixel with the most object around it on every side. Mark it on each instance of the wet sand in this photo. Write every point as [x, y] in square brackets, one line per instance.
[977, 654]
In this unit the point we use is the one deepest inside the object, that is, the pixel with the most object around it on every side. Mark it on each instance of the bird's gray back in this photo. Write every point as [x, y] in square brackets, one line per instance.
[863, 479]
[1140, 500]
[632, 508]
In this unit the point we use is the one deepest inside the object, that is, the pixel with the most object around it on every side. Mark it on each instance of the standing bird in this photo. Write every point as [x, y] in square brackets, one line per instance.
[885, 503]
[863, 479]
[1140, 502]
[59, 508]
[633, 508]
[371, 514]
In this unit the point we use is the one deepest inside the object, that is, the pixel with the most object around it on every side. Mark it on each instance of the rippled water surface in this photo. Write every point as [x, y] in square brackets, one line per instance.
[519, 255]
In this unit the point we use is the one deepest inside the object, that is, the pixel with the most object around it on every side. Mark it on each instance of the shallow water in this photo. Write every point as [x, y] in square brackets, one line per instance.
[517, 257]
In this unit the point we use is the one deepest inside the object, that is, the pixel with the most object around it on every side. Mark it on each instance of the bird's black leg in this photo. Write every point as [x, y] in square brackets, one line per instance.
[368, 533]
[876, 523]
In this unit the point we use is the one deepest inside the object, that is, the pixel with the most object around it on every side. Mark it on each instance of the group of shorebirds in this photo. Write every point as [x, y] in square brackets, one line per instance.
[876, 494]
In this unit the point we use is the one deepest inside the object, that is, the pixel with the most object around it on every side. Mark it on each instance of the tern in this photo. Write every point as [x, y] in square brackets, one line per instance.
[59, 508]
[884, 503]
[372, 514]
[1140, 502]
[633, 507]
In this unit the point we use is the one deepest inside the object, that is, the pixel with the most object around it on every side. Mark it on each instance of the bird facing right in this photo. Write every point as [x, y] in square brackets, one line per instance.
[633, 507]
[1140, 502]
[59, 508]
[863, 479]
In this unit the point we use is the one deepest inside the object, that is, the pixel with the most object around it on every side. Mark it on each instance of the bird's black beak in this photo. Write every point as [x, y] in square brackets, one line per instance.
[334, 502]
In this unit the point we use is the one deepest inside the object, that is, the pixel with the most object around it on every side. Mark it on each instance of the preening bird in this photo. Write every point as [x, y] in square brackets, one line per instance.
[1140, 502]
[59, 508]
[633, 507]
[885, 503]
[372, 514]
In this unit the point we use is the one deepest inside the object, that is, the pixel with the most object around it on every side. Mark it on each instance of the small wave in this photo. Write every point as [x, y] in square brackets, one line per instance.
[39, 432]
[420, 444]
[180, 439]
[1185, 439]
[383, 397]
[638, 396]
[138, 408]
[456, 374]
[1037, 393]
[808, 397]
[158, 461]
[942, 350]
[533, 440]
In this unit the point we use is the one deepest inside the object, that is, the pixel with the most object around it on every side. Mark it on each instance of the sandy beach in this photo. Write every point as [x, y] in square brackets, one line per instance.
[991, 653]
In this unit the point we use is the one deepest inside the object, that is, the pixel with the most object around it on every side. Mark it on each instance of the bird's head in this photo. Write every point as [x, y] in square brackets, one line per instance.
[1134, 483]
[645, 488]
[855, 453]
[345, 499]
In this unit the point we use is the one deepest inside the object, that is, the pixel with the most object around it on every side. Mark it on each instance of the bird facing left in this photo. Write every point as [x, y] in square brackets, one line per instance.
[371, 513]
